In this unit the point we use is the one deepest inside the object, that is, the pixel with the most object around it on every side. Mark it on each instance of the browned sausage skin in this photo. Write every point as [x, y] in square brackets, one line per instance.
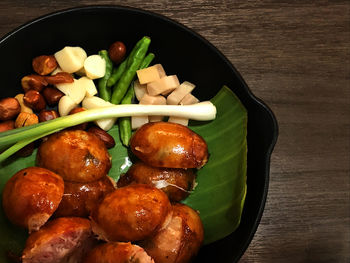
[65, 239]
[177, 183]
[131, 213]
[165, 144]
[79, 199]
[76, 155]
[180, 241]
[31, 196]
[117, 252]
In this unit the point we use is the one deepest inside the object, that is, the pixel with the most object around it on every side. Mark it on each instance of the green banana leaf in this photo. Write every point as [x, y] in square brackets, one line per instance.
[221, 183]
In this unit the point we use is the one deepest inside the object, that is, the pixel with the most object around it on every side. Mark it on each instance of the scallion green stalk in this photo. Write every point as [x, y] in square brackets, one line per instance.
[16, 139]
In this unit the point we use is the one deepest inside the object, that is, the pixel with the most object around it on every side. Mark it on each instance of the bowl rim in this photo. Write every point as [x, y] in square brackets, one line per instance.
[201, 38]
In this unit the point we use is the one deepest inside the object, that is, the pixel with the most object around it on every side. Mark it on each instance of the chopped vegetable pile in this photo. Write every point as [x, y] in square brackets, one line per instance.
[65, 82]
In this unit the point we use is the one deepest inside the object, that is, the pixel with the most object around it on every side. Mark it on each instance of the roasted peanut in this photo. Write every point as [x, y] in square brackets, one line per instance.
[117, 52]
[24, 108]
[9, 108]
[103, 136]
[34, 100]
[46, 115]
[76, 110]
[35, 82]
[52, 95]
[7, 125]
[44, 65]
[26, 119]
[59, 78]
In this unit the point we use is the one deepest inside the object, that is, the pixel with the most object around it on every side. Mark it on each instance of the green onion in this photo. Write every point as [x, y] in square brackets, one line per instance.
[16, 139]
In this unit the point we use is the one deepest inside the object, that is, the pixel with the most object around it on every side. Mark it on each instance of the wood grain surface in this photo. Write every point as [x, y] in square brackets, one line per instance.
[294, 55]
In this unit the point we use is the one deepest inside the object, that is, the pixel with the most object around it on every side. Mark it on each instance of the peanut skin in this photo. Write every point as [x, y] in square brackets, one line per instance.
[58, 78]
[117, 52]
[35, 82]
[7, 125]
[34, 100]
[44, 65]
[46, 115]
[103, 136]
[9, 108]
[52, 95]
[165, 144]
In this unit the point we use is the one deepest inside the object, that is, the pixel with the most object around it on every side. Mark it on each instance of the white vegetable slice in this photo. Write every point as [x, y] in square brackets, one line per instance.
[89, 85]
[65, 105]
[153, 100]
[71, 59]
[182, 121]
[105, 124]
[75, 90]
[138, 121]
[150, 74]
[95, 66]
[163, 86]
[139, 89]
[96, 102]
[179, 93]
[189, 99]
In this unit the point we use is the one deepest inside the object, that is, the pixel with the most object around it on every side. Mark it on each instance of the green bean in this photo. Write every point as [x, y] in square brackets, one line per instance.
[125, 122]
[118, 72]
[122, 85]
[125, 130]
[105, 92]
[129, 95]
[133, 51]
[147, 60]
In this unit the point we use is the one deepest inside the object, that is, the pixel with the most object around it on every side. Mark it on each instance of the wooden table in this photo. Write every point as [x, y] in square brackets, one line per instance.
[294, 55]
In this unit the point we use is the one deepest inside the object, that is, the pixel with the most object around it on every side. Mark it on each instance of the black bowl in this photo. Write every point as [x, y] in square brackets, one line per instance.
[177, 47]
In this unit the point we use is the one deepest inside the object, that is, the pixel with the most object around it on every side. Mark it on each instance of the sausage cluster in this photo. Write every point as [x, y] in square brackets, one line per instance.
[74, 212]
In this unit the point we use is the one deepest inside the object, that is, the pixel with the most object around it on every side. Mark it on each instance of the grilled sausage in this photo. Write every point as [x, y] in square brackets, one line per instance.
[117, 252]
[79, 199]
[165, 144]
[76, 155]
[131, 213]
[31, 196]
[177, 183]
[180, 241]
[65, 239]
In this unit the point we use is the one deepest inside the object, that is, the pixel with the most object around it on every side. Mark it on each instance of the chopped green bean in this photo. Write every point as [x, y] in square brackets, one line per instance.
[125, 122]
[116, 74]
[122, 85]
[104, 91]
[147, 60]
